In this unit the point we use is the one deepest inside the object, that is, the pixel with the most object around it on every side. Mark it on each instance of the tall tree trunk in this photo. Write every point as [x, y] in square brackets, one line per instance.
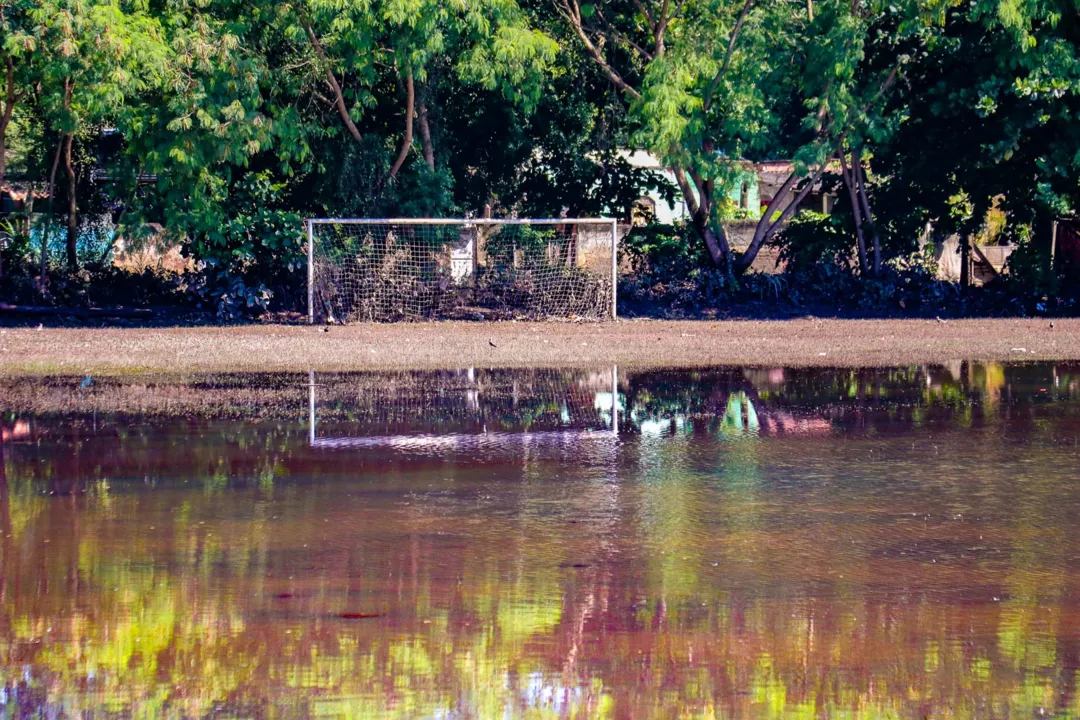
[410, 110]
[29, 211]
[715, 240]
[856, 211]
[425, 130]
[868, 216]
[11, 99]
[73, 208]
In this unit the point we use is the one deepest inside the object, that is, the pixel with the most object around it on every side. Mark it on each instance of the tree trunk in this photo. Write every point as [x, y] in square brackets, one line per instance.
[10, 100]
[3, 150]
[410, 109]
[767, 227]
[856, 212]
[698, 206]
[868, 216]
[715, 240]
[73, 216]
[425, 131]
[965, 263]
[29, 211]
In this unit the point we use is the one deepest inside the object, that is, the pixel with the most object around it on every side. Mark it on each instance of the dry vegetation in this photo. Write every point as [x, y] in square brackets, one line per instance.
[805, 342]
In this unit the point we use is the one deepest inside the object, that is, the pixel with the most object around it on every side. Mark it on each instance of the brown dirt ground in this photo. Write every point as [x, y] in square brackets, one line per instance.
[634, 343]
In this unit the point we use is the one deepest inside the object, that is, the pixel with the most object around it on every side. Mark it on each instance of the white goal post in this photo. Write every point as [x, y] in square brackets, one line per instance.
[471, 408]
[385, 269]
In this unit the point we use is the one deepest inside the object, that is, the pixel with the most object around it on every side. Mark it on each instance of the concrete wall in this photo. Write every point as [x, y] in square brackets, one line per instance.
[669, 213]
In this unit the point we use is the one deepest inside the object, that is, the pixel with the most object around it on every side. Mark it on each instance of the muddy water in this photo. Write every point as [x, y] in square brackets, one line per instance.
[742, 543]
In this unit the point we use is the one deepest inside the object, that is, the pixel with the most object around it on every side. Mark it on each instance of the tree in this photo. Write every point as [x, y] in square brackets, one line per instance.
[708, 81]
[695, 75]
[988, 117]
[356, 46]
[16, 58]
[91, 56]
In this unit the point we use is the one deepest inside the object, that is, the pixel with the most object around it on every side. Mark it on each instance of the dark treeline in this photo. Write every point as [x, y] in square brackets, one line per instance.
[215, 127]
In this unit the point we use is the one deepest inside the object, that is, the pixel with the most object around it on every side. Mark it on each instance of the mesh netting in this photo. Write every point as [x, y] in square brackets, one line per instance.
[380, 271]
[360, 409]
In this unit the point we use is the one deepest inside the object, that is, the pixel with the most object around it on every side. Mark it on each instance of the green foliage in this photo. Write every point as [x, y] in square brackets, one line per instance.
[248, 240]
[817, 242]
[663, 253]
[90, 59]
[228, 122]
[671, 273]
[359, 189]
[989, 120]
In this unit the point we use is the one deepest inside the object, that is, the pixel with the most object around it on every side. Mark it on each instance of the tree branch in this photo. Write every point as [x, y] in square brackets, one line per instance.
[761, 237]
[884, 86]
[704, 199]
[763, 224]
[797, 200]
[623, 38]
[648, 15]
[728, 54]
[339, 97]
[665, 20]
[569, 9]
[661, 27]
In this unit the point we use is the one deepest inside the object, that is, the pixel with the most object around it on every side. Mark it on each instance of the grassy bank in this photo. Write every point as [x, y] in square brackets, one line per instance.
[803, 342]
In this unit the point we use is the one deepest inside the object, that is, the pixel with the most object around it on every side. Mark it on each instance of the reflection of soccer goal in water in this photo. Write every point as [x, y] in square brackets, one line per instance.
[417, 268]
[462, 410]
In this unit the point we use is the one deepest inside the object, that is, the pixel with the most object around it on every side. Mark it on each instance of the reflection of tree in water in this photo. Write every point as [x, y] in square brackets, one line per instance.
[707, 571]
[810, 400]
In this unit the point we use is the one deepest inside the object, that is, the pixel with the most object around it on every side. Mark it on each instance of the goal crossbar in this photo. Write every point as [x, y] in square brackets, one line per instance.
[312, 223]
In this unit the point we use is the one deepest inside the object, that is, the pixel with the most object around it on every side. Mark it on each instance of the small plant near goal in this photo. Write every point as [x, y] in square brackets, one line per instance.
[417, 269]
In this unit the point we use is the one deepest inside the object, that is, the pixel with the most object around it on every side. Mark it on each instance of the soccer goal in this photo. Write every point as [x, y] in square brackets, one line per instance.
[418, 268]
[471, 408]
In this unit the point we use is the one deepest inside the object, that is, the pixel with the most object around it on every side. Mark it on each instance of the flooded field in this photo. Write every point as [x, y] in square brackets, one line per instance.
[729, 543]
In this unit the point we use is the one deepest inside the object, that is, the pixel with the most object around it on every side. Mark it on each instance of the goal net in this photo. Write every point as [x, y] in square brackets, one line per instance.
[462, 408]
[411, 269]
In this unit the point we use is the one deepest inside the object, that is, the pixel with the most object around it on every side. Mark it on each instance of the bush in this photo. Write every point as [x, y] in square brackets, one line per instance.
[670, 271]
[254, 253]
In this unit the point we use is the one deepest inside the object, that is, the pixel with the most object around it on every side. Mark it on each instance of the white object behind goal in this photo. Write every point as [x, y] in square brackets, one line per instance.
[419, 268]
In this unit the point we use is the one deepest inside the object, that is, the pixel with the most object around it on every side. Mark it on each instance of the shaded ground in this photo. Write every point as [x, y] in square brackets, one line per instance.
[639, 343]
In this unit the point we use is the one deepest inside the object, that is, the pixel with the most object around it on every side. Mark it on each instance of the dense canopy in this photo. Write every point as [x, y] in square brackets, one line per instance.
[225, 123]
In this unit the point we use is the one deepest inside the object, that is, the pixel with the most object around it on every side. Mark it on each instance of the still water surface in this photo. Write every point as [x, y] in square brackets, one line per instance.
[747, 543]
